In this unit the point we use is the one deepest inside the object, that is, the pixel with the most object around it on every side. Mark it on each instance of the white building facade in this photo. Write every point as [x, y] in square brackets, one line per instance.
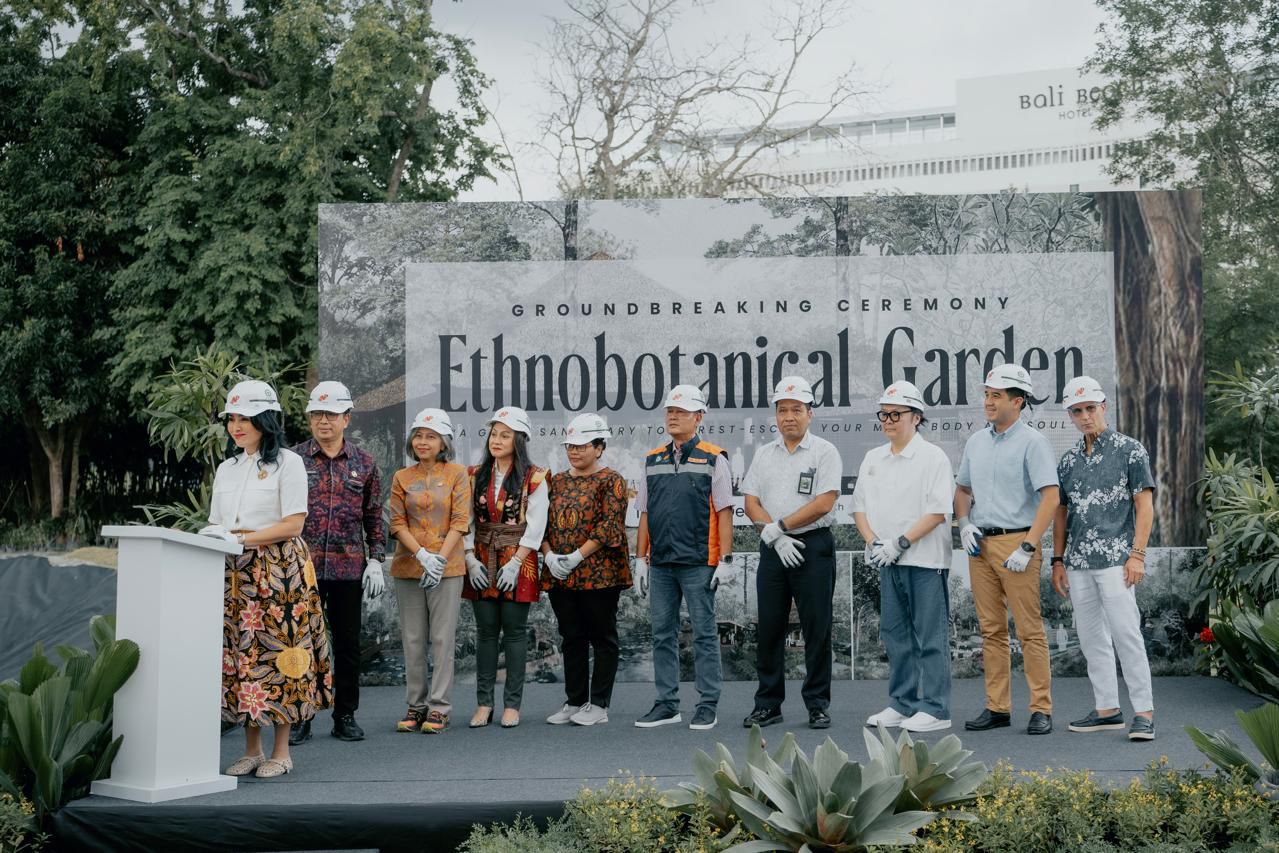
[1030, 132]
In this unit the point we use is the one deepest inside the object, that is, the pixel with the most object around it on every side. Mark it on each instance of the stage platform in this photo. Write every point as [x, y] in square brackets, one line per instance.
[397, 791]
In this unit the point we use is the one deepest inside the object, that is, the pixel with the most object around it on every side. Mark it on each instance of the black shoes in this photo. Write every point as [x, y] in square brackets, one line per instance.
[989, 719]
[301, 733]
[1040, 724]
[818, 719]
[1095, 722]
[345, 728]
[762, 717]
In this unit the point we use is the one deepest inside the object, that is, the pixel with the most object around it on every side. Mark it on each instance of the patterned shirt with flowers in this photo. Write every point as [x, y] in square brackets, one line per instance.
[1097, 490]
[591, 507]
[344, 510]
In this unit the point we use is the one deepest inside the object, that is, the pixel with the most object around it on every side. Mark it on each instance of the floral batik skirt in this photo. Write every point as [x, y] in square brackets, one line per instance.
[276, 665]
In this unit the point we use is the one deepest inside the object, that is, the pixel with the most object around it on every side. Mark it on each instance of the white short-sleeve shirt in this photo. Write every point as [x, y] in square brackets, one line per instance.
[784, 481]
[895, 491]
[247, 496]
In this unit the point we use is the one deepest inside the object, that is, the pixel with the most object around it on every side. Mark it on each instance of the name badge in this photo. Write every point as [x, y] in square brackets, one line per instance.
[806, 482]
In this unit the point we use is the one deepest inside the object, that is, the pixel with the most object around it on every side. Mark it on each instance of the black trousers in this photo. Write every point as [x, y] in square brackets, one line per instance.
[811, 585]
[588, 620]
[342, 601]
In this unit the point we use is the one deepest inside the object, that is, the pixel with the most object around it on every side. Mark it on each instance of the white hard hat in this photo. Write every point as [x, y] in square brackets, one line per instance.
[585, 428]
[1082, 389]
[436, 420]
[515, 418]
[903, 393]
[1007, 376]
[330, 397]
[687, 397]
[793, 388]
[249, 398]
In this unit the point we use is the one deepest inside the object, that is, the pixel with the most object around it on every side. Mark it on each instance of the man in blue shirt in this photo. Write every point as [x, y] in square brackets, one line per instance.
[1005, 500]
[1100, 536]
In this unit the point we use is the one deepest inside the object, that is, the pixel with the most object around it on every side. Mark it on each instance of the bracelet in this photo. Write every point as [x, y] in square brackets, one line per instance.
[1140, 555]
[1061, 560]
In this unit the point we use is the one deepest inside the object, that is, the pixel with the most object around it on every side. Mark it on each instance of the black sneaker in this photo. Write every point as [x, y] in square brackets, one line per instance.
[345, 728]
[301, 733]
[818, 719]
[1095, 722]
[1142, 728]
[1040, 724]
[762, 717]
[703, 719]
[659, 715]
[989, 719]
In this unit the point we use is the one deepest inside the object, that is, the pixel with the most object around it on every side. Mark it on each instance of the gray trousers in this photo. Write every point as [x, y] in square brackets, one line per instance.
[429, 614]
[914, 626]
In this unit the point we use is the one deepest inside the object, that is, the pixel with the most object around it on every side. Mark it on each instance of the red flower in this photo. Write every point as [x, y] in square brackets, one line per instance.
[1206, 636]
[251, 617]
[228, 663]
[252, 699]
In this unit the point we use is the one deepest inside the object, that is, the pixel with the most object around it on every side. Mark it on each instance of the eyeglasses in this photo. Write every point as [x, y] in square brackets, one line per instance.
[325, 416]
[889, 417]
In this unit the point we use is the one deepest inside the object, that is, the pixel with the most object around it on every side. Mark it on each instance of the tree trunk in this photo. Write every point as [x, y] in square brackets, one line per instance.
[1156, 238]
[77, 432]
[39, 479]
[56, 447]
[569, 229]
[841, 227]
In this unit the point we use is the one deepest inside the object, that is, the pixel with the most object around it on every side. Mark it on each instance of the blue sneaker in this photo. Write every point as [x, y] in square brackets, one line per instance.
[660, 715]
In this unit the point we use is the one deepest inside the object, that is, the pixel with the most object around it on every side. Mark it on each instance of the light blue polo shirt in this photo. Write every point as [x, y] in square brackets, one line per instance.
[1005, 471]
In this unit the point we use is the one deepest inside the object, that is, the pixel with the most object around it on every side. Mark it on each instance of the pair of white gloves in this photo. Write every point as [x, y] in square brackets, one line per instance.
[970, 537]
[723, 572]
[787, 547]
[432, 568]
[478, 573]
[881, 553]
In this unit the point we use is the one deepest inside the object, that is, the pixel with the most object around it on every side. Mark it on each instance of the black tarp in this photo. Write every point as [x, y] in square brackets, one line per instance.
[41, 602]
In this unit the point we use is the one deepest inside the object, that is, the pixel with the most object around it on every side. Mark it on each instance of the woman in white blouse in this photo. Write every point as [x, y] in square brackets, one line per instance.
[276, 666]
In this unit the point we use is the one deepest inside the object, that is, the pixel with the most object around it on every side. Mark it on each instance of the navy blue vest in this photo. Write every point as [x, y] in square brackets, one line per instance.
[682, 525]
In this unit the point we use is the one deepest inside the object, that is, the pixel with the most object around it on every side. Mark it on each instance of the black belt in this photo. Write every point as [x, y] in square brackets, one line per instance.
[1001, 531]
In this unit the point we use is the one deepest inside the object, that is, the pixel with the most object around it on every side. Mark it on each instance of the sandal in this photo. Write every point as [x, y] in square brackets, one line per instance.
[246, 764]
[481, 719]
[510, 718]
[273, 767]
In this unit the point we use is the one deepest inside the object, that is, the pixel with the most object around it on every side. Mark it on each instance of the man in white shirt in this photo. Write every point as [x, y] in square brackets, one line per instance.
[790, 491]
[902, 504]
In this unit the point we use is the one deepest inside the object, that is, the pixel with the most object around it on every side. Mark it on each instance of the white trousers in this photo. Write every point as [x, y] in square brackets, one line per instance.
[1108, 623]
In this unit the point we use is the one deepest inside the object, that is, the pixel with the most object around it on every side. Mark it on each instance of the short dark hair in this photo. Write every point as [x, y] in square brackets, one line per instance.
[922, 420]
[599, 442]
[446, 454]
[1016, 393]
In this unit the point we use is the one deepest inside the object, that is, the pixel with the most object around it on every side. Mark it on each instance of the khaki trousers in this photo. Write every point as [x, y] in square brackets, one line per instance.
[996, 591]
[429, 615]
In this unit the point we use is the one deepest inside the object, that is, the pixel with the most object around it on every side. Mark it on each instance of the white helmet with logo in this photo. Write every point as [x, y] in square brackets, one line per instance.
[436, 420]
[330, 397]
[1082, 389]
[250, 398]
[687, 397]
[793, 388]
[1007, 376]
[515, 418]
[584, 429]
[903, 393]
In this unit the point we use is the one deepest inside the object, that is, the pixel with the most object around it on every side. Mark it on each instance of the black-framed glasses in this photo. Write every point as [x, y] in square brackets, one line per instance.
[889, 417]
[325, 416]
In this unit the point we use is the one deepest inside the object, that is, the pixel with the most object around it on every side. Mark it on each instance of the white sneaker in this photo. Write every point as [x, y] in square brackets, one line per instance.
[564, 715]
[888, 718]
[923, 722]
[589, 715]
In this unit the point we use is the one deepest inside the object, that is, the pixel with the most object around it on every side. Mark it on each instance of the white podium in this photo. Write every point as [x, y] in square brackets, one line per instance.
[169, 602]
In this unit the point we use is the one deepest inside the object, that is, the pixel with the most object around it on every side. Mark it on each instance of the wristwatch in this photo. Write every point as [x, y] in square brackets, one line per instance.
[1028, 548]
[903, 543]
[781, 524]
[726, 558]
[1055, 560]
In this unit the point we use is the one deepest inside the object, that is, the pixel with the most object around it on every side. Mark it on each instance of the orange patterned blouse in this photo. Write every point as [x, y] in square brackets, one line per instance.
[590, 507]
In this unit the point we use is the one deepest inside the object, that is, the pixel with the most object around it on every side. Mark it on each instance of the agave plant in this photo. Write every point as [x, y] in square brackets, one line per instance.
[1262, 727]
[719, 777]
[935, 779]
[831, 805]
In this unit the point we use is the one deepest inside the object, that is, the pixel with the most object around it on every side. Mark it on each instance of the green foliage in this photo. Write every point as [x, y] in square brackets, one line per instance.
[19, 831]
[1249, 641]
[183, 411]
[1242, 505]
[936, 779]
[1261, 725]
[521, 836]
[1070, 812]
[55, 722]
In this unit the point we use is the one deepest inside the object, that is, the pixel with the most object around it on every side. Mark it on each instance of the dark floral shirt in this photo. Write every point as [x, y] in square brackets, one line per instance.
[344, 510]
[592, 507]
[1097, 490]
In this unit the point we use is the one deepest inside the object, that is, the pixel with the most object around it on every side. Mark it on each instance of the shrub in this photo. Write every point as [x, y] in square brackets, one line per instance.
[19, 832]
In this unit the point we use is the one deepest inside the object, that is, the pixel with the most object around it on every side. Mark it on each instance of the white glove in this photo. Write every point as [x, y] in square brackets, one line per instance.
[432, 568]
[724, 571]
[562, 565]
[970, 537]
[374, 580]
[885, 553]
[788, 548]
[1017, 561]
[476, 571]
[771, 532]
[869, 554]
[217, 531]
[641, 575]
[508, 575]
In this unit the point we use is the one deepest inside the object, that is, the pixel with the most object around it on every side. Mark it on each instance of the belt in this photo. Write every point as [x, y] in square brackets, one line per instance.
[1002, 531]
[812, 532]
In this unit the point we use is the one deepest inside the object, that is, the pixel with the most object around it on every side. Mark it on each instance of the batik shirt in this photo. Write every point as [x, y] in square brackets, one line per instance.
[591, 507]
[1097, 490]
[344, 510]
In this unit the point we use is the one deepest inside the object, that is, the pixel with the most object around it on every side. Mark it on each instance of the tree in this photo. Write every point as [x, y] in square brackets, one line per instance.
[633, 117]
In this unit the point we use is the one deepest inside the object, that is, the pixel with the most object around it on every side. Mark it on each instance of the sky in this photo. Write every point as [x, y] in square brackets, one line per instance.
[908, 53]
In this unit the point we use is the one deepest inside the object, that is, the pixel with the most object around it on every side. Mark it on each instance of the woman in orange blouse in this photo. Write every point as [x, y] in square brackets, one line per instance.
[587, 567]
[430, 513]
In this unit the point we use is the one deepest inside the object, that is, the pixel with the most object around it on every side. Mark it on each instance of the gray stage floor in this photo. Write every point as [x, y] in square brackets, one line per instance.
[536, 761]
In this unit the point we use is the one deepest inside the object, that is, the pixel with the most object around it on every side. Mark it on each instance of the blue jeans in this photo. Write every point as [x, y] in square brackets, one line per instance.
[666, 587]
[914, 625]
